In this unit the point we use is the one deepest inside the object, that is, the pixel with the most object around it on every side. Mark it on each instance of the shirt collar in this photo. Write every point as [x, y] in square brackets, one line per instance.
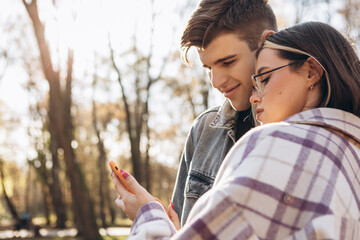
[339, 120]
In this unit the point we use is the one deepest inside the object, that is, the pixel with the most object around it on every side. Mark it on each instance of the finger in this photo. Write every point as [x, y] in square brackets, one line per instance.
[131, 182]
[120, 203]
[173, 216]
[118, 186]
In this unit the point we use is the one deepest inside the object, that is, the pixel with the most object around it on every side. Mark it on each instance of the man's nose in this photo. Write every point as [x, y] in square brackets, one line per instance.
[217, 78]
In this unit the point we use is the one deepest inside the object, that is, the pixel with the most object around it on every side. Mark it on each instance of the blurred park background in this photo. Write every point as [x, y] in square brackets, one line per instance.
[83, 82]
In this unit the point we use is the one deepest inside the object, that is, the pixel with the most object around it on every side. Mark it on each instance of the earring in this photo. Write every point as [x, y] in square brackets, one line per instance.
[311, 86]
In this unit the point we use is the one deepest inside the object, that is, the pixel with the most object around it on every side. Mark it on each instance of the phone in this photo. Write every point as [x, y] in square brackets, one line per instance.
[117, 172]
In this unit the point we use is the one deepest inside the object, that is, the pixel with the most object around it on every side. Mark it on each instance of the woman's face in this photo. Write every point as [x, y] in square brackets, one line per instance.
[285, 91]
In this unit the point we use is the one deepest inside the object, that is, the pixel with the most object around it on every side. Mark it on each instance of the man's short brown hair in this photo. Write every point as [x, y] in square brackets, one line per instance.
[247, 18]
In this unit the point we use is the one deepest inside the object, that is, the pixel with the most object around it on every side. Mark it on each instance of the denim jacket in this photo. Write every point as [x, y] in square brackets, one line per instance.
[211, 137]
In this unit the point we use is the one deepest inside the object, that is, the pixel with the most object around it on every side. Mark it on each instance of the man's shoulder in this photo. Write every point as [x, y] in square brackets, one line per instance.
[224, 113]
[208, 113]
[204, 120]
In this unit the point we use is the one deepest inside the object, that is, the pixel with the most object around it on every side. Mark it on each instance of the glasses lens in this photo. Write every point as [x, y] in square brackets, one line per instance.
[256, 84]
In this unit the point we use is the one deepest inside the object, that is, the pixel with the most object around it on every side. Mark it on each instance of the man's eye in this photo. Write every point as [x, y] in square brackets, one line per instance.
[229, 62]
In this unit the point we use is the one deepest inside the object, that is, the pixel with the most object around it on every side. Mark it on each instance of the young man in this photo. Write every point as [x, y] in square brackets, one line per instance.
[226, 34]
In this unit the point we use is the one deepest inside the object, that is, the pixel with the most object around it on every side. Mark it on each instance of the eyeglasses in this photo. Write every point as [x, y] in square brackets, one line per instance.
[260, 80]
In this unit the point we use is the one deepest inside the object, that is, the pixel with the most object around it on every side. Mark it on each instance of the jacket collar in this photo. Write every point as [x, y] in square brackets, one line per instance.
[226, 117]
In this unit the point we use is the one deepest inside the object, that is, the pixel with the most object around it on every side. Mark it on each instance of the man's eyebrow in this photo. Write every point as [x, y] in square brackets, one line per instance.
[221, 60]
[224, 58]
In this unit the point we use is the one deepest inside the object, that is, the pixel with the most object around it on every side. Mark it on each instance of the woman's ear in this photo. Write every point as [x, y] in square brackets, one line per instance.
[314, 71]
[264, 35]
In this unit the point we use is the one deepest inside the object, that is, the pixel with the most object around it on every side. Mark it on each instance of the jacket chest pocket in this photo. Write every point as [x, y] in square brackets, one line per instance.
[197, 185]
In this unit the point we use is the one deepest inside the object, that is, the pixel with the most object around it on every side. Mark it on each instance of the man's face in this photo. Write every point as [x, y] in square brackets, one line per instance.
[230, 63]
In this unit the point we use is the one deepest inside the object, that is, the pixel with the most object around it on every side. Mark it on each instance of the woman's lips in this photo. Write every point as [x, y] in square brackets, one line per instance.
[258, 113]
[231, 91]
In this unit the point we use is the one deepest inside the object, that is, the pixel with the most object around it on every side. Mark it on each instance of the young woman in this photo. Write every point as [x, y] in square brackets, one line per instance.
[295, 177]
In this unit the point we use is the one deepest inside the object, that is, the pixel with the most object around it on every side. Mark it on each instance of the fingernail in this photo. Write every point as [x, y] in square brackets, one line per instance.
[172, 205]
[124, 174]
[111, 173]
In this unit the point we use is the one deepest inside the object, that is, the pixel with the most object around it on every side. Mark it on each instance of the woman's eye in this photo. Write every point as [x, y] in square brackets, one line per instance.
[265, 80]
[229, 62]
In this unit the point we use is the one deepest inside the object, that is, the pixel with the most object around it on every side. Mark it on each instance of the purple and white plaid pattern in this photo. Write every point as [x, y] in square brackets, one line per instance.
[288, 180]
[150, 215]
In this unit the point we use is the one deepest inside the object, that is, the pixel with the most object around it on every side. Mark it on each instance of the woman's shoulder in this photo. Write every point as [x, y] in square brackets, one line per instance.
[274, 129]
[309, 122]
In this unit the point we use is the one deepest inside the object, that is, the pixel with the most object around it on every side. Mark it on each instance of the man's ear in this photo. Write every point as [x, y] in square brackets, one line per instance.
[264, 35]
[315, 71]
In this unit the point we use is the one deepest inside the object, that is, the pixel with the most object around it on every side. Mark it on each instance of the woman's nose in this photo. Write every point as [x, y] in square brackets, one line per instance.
[255, 97]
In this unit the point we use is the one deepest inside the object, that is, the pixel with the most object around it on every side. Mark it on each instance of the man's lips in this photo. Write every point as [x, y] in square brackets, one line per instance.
[230, 91]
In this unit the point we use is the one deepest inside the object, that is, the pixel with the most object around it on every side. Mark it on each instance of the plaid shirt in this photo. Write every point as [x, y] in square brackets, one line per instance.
[298, 179]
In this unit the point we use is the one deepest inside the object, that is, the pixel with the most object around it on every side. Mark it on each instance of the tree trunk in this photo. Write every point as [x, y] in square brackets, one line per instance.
[60, 116]
[55, 188]
[101, 165]
[45, 191]
[104, 181]
[111, 208]
[82, 201]
[102, 193]
[28, 189]
[51, 190]
[10, 204]
[148, 171]
[133, 130]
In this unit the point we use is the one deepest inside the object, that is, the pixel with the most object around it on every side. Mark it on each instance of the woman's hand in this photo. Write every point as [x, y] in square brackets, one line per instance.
[128, 202]
[174, 218]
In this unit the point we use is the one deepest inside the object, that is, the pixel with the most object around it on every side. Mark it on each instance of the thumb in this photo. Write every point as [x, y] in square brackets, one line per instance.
[130, 182]
[138, 192]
